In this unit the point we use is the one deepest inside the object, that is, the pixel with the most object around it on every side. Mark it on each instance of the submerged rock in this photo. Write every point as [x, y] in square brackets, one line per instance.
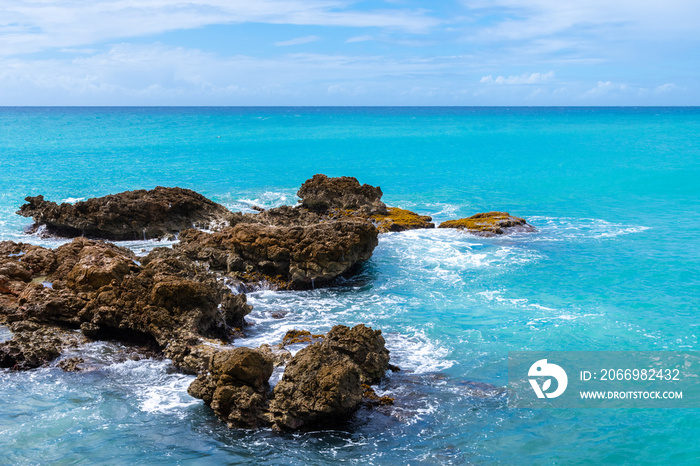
[490, 224]
[128, 215]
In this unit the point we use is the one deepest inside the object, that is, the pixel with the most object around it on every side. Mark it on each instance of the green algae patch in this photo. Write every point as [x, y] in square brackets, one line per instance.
[401, 220]
[489, 224]
[299, 336]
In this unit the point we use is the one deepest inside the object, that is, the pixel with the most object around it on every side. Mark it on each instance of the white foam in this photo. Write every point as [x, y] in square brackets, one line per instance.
[568, 229]
[157, 386]
[495, 295]
[265, 199]
[73, 200]
[417, 353]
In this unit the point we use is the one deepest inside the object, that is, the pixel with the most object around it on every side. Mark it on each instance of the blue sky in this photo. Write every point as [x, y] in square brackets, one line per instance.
[342, 52]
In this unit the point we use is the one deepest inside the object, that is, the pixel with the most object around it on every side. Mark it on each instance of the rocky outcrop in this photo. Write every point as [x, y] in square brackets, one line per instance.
[322, 385]
[490, 224]
[103, 290]
[128, 215]
[322, 193]
[33, 345]
[236, 386]
[401, 220]
[345, 197]
[295, 257]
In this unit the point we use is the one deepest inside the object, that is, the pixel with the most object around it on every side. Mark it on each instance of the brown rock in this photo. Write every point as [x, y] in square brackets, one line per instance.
[298, 257]
[364, 346]
[128, 215]
[236, 386]
[101, 289]
[33, 345]
[321, 193]
[319, 387]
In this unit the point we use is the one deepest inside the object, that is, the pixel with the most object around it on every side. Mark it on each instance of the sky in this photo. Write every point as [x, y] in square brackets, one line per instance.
[344, 52]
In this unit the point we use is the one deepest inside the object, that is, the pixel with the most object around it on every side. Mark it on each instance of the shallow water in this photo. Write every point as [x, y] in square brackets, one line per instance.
[614, 265]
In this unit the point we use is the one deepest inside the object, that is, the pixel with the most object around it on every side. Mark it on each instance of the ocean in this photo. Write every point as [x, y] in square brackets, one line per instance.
[615, 264]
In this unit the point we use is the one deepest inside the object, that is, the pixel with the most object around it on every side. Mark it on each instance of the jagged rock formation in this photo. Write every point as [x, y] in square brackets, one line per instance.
[236, 386]
[323, 382]
[128, 215]
[292, 257]
[104, 291]
[490, 224]
[33, 345]
[321, 193]
[322, 385]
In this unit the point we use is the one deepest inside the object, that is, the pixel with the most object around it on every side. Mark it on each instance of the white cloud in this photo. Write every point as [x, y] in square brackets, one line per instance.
[297, 41]
[606, 87]
[364, 38]
[30, 26]
[533, 78]
[155, 74]
[668, 87]
[539, 18]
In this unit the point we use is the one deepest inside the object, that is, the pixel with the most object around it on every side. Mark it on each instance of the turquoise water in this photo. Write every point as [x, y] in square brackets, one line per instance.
[613, 192]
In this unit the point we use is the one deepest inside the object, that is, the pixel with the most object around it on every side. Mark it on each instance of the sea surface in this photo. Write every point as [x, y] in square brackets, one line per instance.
[615, 265]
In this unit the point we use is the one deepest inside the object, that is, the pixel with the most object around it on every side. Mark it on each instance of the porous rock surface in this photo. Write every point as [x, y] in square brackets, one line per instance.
[105, 292]
[321, 193]
[298, 257]
[322, 384]
[130, 215]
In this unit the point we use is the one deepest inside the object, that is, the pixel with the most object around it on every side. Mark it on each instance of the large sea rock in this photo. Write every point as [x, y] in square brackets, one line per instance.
[103, 290]
[322, 385]
[129, 215]
[321, 193]
[297, 257]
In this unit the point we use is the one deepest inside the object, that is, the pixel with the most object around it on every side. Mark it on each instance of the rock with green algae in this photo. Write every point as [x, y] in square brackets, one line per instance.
[490, 224]
[401, 220]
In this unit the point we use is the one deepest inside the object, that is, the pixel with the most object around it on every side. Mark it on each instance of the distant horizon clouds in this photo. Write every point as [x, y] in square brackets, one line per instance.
[345, 52]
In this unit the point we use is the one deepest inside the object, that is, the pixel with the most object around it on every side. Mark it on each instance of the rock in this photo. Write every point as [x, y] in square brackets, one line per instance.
[71, 364]
[235, 308]
[101, 289]
[296, 257]
[321, 193]
[319, 387]
[128, 215]
[364, 346]
[372, 399]
[490, 224]
[236, 387]
[279, 355]
[299, 336]
[323, 383]
[33, 345]
[401, 220]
